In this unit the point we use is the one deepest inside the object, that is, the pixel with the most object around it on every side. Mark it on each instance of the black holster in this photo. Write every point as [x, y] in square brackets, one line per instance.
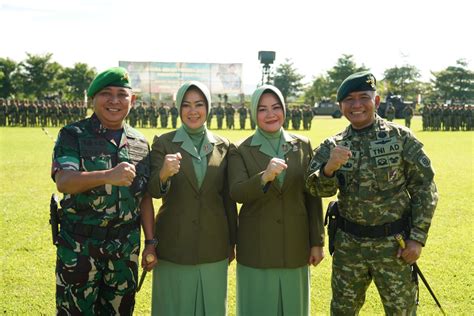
[54, 218]
[331, 221]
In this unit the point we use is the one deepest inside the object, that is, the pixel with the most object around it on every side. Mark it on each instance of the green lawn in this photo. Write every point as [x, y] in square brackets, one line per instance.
[27, 257]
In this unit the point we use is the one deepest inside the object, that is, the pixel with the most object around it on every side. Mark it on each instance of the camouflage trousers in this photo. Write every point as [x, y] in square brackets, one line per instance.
[95, 285]
[358, 261]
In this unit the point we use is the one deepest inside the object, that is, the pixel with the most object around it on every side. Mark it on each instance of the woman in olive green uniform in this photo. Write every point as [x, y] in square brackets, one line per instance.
[196, 224]
[280, 224]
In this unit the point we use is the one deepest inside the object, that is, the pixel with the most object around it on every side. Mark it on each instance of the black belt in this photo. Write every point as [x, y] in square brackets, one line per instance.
[378, 231]
[98, 232]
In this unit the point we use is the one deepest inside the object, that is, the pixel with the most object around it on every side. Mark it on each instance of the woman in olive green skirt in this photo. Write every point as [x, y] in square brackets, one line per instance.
[280, 224]
[196, 225]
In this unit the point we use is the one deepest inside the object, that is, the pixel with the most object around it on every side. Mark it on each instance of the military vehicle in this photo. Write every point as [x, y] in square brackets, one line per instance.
[397, 101]
[327, 107]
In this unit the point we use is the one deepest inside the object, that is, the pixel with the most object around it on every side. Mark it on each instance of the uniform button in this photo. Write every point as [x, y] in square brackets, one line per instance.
[279, 221]
[196, 197]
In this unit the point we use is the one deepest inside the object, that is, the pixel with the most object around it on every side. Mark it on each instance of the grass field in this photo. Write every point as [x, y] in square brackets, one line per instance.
[27, 257]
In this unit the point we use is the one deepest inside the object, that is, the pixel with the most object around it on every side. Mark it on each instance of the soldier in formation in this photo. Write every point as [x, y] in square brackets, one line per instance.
[174, 115]
[307, 117]
[408, 115]
[438, 117]
[229, 116]
[163, 111]
[40, 112]
[219, 112]
[390, 112]
[296, 116]
[242, 116]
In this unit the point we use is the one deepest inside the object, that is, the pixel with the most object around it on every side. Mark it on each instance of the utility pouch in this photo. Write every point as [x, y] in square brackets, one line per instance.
[331, 220]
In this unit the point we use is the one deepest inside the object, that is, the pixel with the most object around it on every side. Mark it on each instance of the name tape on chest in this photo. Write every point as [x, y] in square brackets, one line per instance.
[378, 148]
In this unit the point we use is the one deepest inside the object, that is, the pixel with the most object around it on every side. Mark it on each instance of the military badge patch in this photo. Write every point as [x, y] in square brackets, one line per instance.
[424, 161]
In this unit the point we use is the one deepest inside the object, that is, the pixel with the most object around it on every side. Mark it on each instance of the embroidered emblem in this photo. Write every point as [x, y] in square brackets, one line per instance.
[371, 81]
[424, 161]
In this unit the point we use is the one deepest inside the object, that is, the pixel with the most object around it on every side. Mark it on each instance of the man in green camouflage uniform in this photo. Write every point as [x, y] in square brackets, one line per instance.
[242, 115]
[307, 117]
[163, 111]
[408, 115]
[174, 115]
[390, 112]
[219, 111]
[385, 184]
[102, 167]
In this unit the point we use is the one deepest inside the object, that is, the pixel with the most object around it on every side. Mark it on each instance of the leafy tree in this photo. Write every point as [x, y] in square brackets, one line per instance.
[39, 76]
[319, 89]
[345, 66]
[287, 79]
[455, 82]
[77, 80]
[403, 81]
[7, 68]
[325, 86]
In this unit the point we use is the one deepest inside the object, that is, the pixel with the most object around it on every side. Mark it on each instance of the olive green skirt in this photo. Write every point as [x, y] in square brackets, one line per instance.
[272, 292]
[189, 289]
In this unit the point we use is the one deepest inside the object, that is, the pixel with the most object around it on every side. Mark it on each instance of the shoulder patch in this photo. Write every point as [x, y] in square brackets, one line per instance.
[424, 161]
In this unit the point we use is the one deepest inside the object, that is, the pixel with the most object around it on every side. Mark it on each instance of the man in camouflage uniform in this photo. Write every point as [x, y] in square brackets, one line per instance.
[296, 116]
[390, 112]
[229, 116]
[386, 187]
[408, 115]
[163, 111]
[242, 115]
[174, 115]
[307, 117]
[219, 111]
[102, 167]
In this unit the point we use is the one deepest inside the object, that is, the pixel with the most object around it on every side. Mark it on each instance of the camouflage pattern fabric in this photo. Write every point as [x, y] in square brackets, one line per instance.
[97, 276]
[356, 261]
[388, 176]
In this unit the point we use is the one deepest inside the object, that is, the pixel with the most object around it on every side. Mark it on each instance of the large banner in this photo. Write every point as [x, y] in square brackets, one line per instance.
[157, 78]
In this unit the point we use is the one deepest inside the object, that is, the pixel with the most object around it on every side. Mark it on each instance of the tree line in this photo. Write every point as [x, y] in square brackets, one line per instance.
[39, 77]
[453, 84]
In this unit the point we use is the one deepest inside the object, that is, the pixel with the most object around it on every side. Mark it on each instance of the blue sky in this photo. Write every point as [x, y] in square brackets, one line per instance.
[380, 34]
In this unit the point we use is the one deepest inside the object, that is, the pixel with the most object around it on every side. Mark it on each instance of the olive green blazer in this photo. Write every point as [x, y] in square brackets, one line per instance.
[194, 225]
[276, 228]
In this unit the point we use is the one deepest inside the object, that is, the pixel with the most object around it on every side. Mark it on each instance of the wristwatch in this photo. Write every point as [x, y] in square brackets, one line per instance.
[151, 241]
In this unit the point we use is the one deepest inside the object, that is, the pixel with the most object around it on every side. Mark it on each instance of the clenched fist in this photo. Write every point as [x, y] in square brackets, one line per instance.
[338, 157]
[274, 168]
[171, 165]
[122, 174]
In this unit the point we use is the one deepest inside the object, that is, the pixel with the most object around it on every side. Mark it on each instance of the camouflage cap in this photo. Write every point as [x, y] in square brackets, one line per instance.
[359, 81]
[112, 77]
[185, 86]
[256, 98]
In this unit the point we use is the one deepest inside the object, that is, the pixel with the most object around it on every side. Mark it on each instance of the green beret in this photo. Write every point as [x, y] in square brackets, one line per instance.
[256, 98]
[185, 86]
[359, 81]
[112, 77]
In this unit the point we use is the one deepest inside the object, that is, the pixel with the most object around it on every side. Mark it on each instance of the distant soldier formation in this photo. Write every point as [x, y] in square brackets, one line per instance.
[437, 117]
[27, 113]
